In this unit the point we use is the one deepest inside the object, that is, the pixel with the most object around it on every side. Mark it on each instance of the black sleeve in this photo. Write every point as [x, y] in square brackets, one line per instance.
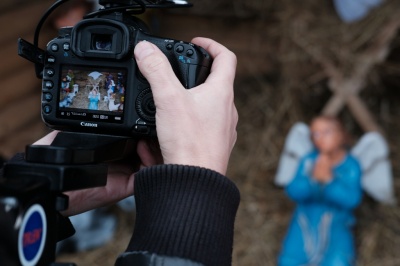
[183, 212]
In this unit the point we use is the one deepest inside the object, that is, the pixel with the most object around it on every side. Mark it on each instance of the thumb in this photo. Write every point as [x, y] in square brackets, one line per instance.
[155, 67]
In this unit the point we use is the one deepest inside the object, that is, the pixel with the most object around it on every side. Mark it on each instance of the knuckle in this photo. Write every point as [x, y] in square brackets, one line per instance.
[153, 64]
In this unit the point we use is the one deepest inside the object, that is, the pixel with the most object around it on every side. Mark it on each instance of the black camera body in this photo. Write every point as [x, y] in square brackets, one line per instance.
[91, 82]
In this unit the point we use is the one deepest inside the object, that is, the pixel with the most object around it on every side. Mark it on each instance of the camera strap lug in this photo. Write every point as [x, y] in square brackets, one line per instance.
[30, 52]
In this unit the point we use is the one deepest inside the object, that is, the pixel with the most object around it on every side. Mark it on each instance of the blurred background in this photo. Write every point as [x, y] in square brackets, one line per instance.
[296, 59]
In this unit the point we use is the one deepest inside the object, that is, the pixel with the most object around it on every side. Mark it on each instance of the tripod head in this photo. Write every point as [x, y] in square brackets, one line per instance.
[31, 192]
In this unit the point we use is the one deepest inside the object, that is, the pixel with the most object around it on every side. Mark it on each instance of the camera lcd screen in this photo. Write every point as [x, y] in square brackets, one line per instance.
[92, 94]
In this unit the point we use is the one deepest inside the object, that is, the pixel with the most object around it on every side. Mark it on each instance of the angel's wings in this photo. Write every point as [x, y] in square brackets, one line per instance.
[371, 151]
[297, 145]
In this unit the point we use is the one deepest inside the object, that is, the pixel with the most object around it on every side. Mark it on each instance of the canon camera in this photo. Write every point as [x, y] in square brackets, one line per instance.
[91, 82]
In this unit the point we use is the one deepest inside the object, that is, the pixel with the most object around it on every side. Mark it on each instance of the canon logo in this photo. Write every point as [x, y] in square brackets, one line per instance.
[84, 124]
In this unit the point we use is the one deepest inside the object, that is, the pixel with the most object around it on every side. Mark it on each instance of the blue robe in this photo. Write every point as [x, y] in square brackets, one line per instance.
[320, 232]
[94, 102]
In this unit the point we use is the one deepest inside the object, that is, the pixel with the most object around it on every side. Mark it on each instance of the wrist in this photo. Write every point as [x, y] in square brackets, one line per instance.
[190, 153]
[217, 165]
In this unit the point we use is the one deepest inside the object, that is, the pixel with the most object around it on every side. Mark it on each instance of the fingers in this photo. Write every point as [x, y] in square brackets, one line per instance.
[225, 61]
[149, 153]
[155, 67]
[181, 114]
[48, 139]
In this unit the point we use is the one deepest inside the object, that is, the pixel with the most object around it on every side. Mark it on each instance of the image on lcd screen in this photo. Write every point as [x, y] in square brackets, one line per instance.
[95, 93]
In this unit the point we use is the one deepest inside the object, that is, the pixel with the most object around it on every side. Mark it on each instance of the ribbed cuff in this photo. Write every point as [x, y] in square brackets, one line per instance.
[186, 212]
[149, 259]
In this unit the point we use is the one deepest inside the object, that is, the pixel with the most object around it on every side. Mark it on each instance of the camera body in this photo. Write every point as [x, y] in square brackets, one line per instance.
[91, 82]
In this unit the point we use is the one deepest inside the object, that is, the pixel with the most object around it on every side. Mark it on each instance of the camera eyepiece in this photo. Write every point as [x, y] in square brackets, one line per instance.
[101, 42]
[101, 38]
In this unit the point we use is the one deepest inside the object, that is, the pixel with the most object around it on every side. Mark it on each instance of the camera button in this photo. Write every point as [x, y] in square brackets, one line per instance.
[54, 47]
[50, 72]
[51, 59]
[179, 49]
[189, 52]
[47, 96]
[169, 46]
[47, 109]
[66, 46]
[141, 129]
[48, 84]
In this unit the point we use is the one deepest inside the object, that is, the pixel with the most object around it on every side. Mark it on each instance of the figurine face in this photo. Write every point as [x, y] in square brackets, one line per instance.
[327, 135]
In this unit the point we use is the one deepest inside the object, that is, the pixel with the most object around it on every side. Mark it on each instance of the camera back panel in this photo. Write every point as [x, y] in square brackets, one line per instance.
[91, 82]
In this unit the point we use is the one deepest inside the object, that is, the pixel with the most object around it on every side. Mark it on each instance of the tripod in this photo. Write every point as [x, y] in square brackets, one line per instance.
[31, 192]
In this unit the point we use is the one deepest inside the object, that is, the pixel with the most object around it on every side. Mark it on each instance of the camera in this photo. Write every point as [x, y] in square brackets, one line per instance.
[91, 82]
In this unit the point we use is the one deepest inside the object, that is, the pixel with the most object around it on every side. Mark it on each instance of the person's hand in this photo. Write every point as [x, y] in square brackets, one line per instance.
[119, 179]
[323, 169]
[196, 126]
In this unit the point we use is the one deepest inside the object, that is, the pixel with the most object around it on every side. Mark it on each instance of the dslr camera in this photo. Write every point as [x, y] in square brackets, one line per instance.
[91, 82]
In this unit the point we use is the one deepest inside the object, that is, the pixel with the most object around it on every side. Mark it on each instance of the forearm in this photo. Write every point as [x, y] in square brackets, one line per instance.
[185, 212]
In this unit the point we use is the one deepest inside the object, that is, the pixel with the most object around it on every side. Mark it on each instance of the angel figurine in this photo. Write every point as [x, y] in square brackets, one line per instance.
[326, 180]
